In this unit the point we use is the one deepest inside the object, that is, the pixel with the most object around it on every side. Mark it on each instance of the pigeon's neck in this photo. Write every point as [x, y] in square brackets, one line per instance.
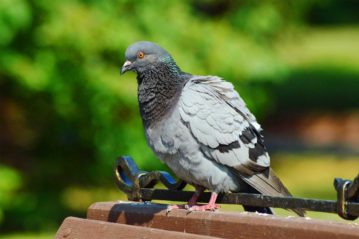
[158, 91]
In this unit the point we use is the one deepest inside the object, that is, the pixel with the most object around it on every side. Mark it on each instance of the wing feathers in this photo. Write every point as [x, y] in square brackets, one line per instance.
[219, 120]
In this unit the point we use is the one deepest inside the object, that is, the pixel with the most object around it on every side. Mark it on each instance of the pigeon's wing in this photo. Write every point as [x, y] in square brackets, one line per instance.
[219, 120]
[231, 97]
[228, 133]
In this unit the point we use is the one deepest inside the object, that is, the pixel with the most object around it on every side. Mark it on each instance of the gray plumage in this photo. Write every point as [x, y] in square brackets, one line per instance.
[200, 127]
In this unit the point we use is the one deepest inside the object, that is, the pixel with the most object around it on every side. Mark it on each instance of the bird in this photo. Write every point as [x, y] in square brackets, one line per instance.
[201, 128]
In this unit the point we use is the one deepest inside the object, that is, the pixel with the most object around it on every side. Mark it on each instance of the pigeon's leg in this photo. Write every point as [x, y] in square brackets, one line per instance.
[195, 196]
[190, 203]
[210, 206]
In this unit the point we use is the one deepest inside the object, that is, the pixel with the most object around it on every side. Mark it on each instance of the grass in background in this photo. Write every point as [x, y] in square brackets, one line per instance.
[29, 236]
[312, 175]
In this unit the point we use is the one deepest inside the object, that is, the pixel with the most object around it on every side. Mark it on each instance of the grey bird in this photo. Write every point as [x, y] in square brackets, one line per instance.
[201, 128]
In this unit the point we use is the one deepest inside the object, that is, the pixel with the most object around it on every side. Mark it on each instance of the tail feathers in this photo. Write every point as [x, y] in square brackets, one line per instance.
[267, 183]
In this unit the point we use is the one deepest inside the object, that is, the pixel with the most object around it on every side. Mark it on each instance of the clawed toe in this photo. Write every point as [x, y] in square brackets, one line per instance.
[205, 207]
[191, 206]
[175, 206]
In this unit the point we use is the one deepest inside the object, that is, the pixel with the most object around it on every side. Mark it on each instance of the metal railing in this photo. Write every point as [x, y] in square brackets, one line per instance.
[138, 185]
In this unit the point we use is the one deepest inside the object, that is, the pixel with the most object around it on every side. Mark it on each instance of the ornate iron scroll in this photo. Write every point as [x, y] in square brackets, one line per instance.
[138, 185]
[347, 193]
[131, 180]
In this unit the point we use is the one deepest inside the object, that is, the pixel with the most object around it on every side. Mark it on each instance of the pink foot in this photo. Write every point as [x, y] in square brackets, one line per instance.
[212, 206]
[206, 207]
[190, 203]
[175, 206]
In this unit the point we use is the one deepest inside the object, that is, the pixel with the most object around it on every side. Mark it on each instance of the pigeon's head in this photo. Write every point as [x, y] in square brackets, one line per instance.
[144, 55]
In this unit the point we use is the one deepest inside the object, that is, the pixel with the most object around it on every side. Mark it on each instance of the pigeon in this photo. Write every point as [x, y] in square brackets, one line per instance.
[201, 128]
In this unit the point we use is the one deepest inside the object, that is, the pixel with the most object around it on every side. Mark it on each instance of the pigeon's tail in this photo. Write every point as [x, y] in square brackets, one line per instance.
[267, 183]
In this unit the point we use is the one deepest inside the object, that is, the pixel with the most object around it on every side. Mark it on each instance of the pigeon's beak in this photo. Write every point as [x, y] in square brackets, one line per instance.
[126, 67]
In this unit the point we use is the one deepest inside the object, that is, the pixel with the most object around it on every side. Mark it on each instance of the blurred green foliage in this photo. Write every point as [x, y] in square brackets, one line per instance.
[10, 182]
[65, 112]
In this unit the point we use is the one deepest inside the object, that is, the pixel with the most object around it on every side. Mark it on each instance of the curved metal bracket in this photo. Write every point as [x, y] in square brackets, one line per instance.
[130, 179]
[347, 191]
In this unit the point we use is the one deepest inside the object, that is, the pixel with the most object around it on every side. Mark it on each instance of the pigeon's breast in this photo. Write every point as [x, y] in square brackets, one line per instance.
[167, 135]
[174, 145]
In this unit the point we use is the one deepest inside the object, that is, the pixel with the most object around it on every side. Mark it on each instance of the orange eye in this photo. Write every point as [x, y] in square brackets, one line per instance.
[140, 54]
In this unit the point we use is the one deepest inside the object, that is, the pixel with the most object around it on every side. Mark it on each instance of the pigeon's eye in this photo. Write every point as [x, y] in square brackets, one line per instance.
[140, 54]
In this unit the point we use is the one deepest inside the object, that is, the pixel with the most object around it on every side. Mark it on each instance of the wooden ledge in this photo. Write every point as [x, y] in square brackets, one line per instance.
[77, 228]
[220, 224]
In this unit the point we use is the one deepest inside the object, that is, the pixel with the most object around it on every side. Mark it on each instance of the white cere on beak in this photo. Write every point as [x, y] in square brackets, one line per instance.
[127, 63]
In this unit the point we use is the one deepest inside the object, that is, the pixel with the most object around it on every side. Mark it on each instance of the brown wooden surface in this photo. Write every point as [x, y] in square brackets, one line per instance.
[77, 228]
[221, 224]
